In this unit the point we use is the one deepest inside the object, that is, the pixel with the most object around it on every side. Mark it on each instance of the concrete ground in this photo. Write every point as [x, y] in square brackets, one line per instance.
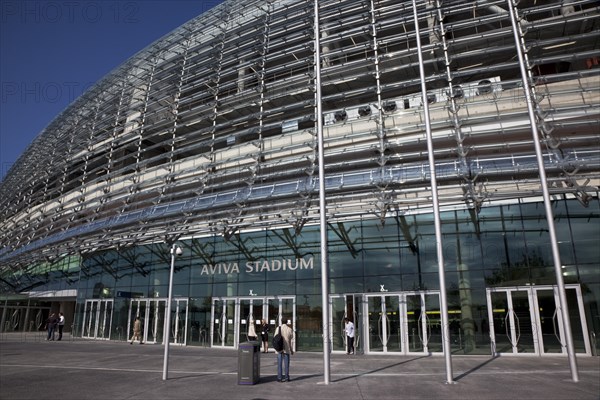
[80, 369]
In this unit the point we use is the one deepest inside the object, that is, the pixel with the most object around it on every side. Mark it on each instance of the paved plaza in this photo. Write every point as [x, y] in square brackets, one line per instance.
[31, 368]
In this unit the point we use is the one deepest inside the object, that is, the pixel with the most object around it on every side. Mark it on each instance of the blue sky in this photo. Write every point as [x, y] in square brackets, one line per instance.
[52, 51]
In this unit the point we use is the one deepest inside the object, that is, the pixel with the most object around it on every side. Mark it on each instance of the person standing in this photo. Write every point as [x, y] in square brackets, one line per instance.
[61, 324]
[264, 335]
[51, 326]
[349, 328]
[283, 356]
[137, 331]
[251, 330]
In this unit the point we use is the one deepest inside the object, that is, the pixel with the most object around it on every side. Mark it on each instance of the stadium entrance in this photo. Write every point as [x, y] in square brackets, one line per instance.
[407, 322]
[402, 323]
[527, 320]
[152, 312]
[97, 319]
[231, 317]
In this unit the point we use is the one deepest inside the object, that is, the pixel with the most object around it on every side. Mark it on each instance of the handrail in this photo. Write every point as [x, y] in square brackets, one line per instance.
[389, 334]
[554, 324]
[379, 326]
[420, 329]
[428, 326]
[518, 327]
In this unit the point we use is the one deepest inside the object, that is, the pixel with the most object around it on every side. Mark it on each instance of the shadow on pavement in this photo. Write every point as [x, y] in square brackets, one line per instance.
[380, 369]
[483, 364]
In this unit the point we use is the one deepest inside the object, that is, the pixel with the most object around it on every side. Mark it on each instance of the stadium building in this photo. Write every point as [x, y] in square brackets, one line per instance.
[208, 139]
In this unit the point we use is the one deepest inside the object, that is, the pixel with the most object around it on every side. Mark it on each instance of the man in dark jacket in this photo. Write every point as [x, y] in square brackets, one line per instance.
[51, 326]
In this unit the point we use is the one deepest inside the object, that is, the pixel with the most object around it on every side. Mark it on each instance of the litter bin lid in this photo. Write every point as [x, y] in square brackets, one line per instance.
[250, 344]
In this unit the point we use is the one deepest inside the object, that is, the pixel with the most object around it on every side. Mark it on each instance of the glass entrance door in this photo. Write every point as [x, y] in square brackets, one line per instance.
[344, 306]
[403, 323]
[527, 320]
[152, 312]
[231, 317]
[384, 323]
[511, 319]
[278, 308]
[179, 322]
[250, 315]
[223, 326]
[97, 319]
[423, 327]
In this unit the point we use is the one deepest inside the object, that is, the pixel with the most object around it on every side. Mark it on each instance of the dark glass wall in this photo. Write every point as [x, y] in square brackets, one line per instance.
[501, 246]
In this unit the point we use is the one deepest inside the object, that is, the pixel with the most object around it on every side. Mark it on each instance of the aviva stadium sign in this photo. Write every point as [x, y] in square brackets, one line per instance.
[274, 265]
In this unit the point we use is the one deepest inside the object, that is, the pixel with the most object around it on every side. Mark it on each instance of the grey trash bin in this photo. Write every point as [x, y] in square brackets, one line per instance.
[248, 363]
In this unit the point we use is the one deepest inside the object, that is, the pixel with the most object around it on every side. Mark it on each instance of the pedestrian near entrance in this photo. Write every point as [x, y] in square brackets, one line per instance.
[251, 330]
[349, 328]
[137, 331]
[61, 325]
[283, 356]
[51, 326]
[264, 335]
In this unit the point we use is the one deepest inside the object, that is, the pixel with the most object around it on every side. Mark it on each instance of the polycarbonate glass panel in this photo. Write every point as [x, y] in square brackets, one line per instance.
[180, 322]
[246, 318]
[548, 318]
[522, 318]
[229, 322]
[576, 316]
[433, 322]
[376, 320]
[105, 320]
[503, 333]
[393, 329]
[417, 332]
[156, 320]
[218, 322]
[273, 315]
[287, 309]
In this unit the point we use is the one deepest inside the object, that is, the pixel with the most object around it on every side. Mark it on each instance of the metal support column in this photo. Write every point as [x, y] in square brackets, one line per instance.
[546, 194]
[322, 203]
[436, 208]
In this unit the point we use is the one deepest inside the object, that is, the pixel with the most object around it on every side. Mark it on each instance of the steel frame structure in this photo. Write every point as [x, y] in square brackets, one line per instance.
[211, 129]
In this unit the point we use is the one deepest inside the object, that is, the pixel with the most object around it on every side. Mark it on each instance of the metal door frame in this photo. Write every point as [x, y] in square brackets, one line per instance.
[222, 322]
[264, 303]
[403, 321]
[357, 300]
[97, 313]
[425, 324]
[157, 301]
[534, 310]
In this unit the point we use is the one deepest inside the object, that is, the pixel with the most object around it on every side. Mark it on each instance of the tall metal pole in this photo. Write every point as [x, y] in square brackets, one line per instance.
[546, 194]
[322, 204]
[167, 328]
[436, 210]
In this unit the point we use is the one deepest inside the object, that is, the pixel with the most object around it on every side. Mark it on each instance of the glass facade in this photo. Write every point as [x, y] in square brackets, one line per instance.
[210, 138]
[503, 256]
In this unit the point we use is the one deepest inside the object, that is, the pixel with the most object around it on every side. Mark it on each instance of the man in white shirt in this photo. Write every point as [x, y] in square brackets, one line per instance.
[349, 335]
[61, 325]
